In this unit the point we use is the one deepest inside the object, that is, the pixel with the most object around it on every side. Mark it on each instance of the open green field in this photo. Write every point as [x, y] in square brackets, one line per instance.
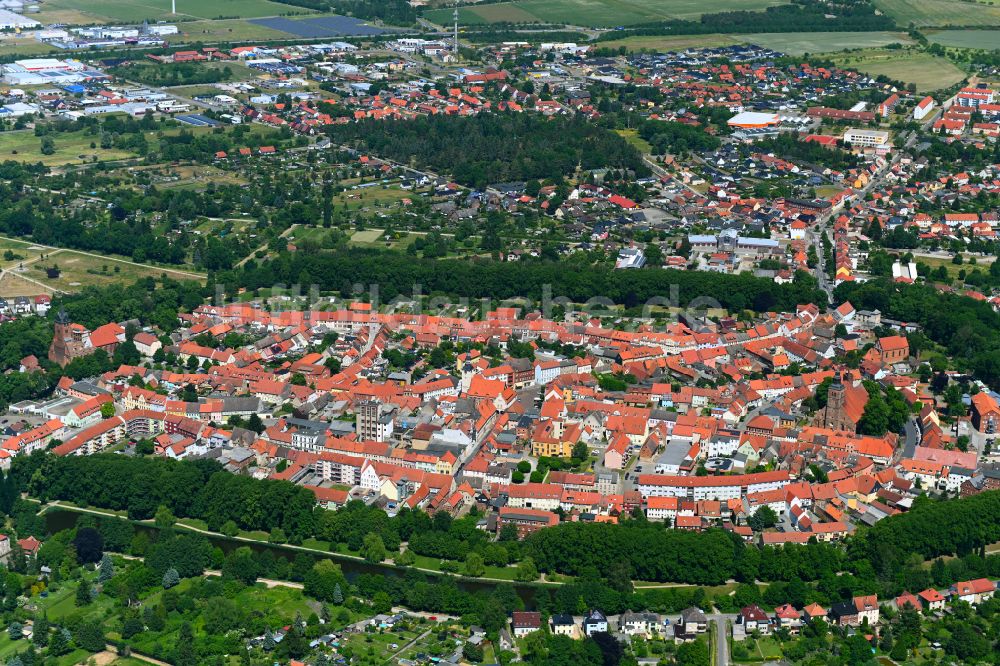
[632, 136]
[967, 39]
[70, 148]
[669, 43]
[78, 270]
[19, 252]
[373, 238]
[797, 43]
[135, 11]
[926, 71]
[982, 263]
[74, 147]
[9, 648]
[225, 30]
[24, 47]
[373, 197]
[940, 13]
[598, 13]
[762, 649]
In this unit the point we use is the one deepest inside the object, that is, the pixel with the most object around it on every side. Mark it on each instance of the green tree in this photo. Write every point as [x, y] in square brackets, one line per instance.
[83, 597]
[694, 653]
[106, 570]
[89, 636]
[184, 651]
[59, 643]
[323, 581]
[373, 548]
[526, 570]
[406, 558]
[170, 578]
[40, 630]
[164, 517]
[474, 565]
[240, 565]
[763, 518]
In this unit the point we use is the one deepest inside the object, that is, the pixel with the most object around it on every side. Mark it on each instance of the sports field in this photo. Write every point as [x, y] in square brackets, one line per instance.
[596, 13]
[967, 39]
[927, 72]
[941, 13]
[135, 11]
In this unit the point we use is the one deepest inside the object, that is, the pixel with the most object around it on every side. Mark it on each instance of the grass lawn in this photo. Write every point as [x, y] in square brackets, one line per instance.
[20, 252]
[146, 72]
[317, 234]
[378, 196]
[982, 263]
[239, 225]
[632, 136]
[928, 72]
[316, 544]
[763, 649]
[277, 603]
[70, 148]
[967, 39]
[429, 644]
[940, 13]
[9, 648]
[196, 523]
[598, 13]
[373, 238]
[24, 47]
[377, 648]
[78, 270]
[135, 11]
[198, 177]
[434, 564]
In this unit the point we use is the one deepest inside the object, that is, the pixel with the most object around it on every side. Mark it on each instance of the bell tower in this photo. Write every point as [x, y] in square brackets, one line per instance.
[58, 352]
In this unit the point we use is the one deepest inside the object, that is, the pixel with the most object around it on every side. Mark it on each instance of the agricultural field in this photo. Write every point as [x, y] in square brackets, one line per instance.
[926, 71]
[135, 11]
[597, 13]
[940, 13]
[669, 43]
[797, 43]
[223, 30]
[966, 39]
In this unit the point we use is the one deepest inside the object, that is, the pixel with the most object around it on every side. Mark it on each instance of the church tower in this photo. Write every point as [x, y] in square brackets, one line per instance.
[58, 353]
[833, 413]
